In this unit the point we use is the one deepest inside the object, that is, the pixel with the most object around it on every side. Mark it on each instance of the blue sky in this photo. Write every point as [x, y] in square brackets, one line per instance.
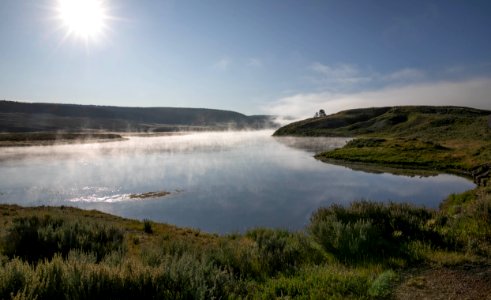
[279, 57]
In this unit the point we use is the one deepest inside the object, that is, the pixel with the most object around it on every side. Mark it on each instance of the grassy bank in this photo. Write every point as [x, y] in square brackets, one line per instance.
[356, 252]
[462, 157]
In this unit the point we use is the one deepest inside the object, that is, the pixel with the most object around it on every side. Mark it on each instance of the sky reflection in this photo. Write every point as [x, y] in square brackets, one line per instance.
[219, 182]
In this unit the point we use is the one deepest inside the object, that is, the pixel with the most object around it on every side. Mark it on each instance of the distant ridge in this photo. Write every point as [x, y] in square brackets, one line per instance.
[432, 122]
[29, 117]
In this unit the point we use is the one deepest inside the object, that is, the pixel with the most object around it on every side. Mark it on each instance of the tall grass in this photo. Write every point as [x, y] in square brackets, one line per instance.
[465, 221]
[345, 253]
[371, 231]
[178, 278]
[34, 238]
[319, 282]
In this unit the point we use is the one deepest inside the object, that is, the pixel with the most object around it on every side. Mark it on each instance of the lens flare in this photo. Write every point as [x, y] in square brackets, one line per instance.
[84, 19]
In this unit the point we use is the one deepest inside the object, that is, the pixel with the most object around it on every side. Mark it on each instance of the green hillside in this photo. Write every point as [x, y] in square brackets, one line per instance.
[429, 122]
[449, 139]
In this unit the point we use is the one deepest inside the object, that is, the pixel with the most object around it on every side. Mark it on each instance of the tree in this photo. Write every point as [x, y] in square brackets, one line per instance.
[322, 113]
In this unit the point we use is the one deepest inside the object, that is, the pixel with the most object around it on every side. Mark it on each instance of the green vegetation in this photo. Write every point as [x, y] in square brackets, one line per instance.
[147, 226]
[451, 139]
[367, 231]
[412, 153]
[421, 122]
[33, 238]
[448, 139]
[354, 252]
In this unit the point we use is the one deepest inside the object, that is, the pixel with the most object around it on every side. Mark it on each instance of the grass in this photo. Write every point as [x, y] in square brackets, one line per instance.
[368, 231]
[113, 258]
[413, 153]
[421, 122]
[353, 252]
[34, 238]
[445, 139]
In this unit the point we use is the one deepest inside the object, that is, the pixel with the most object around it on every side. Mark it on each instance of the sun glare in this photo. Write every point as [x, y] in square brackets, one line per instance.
[84, 19]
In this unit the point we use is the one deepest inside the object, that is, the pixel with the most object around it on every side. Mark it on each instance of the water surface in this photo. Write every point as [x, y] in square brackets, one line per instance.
[219, 182]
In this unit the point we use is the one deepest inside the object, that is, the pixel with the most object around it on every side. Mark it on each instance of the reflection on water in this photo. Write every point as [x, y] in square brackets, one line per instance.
[312, 144]
[219, 182]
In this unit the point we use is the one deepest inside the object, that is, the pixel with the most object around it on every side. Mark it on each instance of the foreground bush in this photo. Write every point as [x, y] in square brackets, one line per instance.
[283, 251]
[33, 238]
[368, 231]
[258, 254]
[465, 221]
[319, 282]
[178, 278]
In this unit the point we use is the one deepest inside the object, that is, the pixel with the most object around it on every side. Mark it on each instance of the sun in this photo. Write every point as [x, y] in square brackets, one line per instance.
[85, 19]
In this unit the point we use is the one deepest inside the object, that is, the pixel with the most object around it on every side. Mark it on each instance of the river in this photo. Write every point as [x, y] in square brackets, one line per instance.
[219, 182]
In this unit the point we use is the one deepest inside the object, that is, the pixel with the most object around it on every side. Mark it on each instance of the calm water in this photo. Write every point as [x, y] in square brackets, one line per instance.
[220, 182]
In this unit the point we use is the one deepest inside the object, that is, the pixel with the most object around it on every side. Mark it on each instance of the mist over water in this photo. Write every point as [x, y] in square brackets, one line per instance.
[219, 182]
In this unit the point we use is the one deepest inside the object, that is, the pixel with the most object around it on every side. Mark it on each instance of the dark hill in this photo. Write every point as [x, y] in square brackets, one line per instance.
[26, 117]
[432, 122]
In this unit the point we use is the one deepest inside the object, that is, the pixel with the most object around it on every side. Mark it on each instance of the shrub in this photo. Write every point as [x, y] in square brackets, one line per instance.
[34, 238]
[240, 257]
[178, 278]
[319, 282]
[14, 276]
[350, 240]
[283, 251]
[465, 222]
[147, 226]
[371, 230]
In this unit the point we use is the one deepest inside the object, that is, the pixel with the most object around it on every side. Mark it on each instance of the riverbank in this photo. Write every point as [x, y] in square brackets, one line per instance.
[469, 158]
[363, 251]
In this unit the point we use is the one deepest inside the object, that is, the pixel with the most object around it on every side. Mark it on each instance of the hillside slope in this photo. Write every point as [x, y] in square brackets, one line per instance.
[429, 122]
[448, 139]
[28, 117]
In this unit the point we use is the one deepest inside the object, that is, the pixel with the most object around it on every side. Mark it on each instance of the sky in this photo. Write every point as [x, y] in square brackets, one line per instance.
[279, 57]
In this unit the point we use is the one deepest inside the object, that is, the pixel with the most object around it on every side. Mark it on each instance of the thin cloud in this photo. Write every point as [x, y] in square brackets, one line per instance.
[223, 64]
[408, 74]
[341, 70]
[472, 93]
[346, 74]
[346, 77]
